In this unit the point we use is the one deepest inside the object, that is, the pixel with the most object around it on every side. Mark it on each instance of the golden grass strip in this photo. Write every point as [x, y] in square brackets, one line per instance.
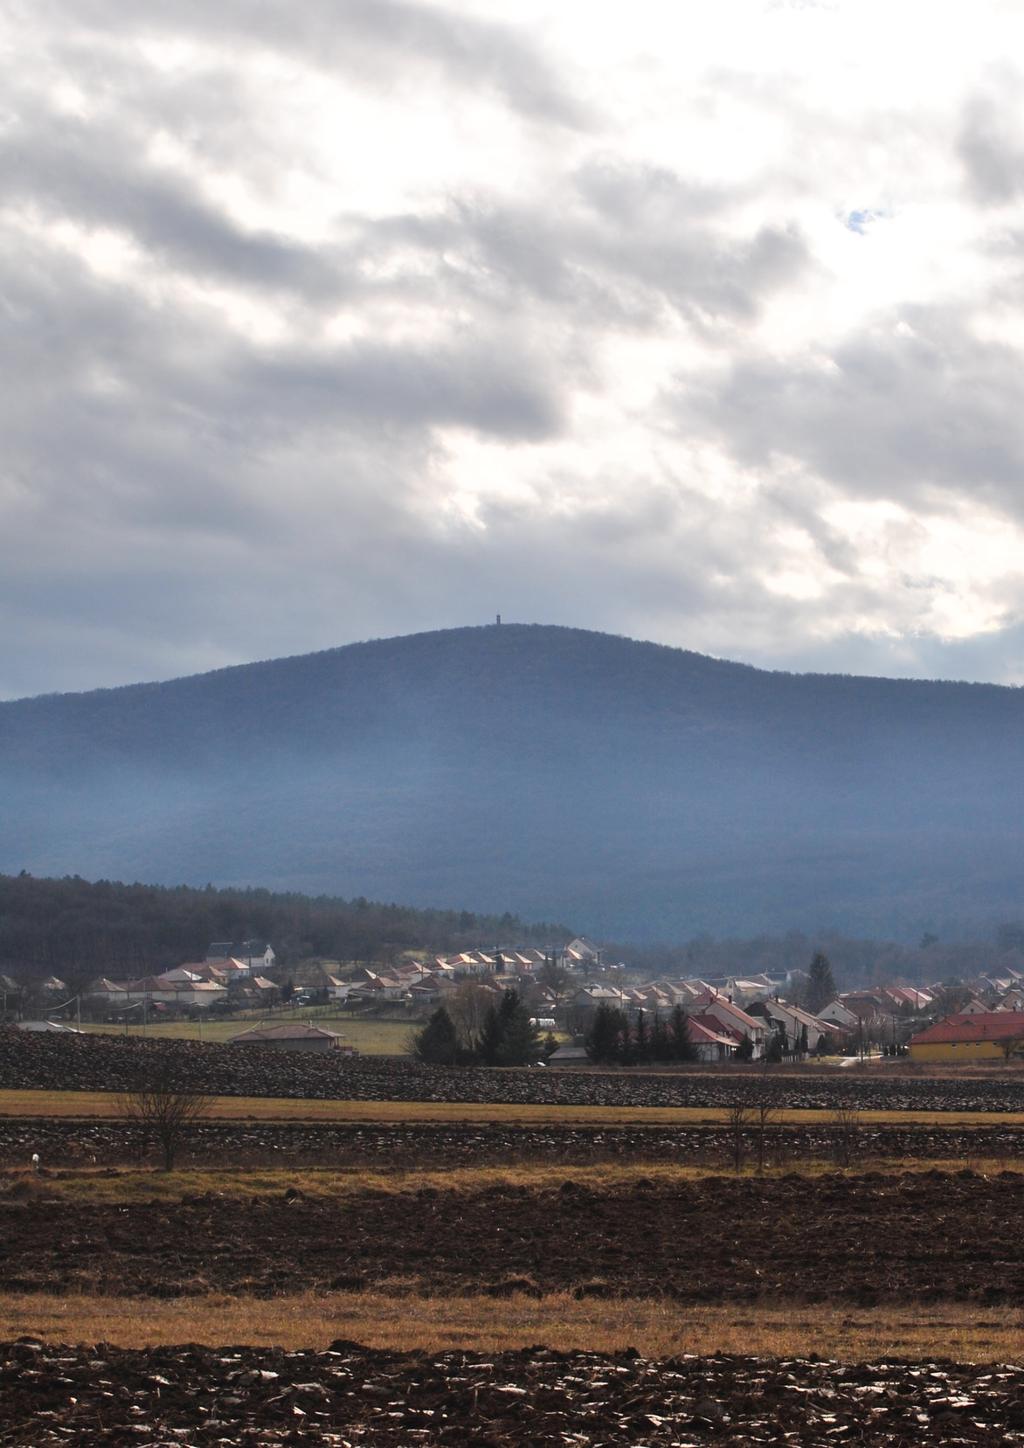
[99, 1185]
[105, 1105]
[405, 1323]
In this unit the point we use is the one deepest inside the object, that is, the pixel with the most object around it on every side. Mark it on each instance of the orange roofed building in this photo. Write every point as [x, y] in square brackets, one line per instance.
[971, 1036]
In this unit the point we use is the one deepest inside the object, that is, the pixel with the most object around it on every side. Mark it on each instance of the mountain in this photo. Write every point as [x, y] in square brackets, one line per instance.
[635, 791]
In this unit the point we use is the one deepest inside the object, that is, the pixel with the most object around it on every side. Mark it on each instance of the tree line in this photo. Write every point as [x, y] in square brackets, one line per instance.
[79, 929]
[503, 1036]
[613, 1040]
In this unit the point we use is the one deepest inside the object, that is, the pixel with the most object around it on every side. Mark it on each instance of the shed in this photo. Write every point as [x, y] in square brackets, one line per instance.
[293, 1037]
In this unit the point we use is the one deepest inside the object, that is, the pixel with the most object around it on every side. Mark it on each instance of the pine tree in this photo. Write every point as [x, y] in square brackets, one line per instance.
[821, 987]
[661, 1049]
[437, 1042]
[682, 1047]
[641, 1039]
[491, 1036]
[745, 1050]
[520, 1039]
[604, 1038]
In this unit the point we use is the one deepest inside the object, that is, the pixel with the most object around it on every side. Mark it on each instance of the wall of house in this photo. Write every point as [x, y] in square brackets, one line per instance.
[962, 1051]
[314, 1044]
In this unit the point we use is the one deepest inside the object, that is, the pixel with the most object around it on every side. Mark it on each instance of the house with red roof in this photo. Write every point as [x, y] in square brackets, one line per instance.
[971, 1036]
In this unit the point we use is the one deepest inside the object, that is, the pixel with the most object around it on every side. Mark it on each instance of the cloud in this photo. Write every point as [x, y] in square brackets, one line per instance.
[375, 41]
[359, 317]
[991, 142]
[913, 406]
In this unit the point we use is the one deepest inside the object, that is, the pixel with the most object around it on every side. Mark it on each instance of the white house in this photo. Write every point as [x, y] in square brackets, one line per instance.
[736, 1020]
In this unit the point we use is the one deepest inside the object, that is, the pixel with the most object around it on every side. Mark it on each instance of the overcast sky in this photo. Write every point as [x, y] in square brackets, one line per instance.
[345, 318]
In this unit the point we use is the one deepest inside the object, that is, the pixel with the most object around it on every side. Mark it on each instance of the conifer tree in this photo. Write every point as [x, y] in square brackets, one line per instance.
[683, 1048]
[641, 1039]
[520, 1040]
[821, 988]
[491, 1037]
[437, 1042]
[745, 1050]
[604, 1038]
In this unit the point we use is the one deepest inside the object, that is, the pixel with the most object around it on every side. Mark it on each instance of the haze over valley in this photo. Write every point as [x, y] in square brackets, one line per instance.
[643, 792]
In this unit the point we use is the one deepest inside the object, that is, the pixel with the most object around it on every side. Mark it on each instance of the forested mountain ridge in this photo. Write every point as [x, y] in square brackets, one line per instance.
[80, 929]
[640, 791]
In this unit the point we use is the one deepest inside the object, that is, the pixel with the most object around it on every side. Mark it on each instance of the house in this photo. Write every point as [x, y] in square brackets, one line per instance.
[838, 1015]
[793, 1022]
[721, 1009]
[377, 987]
[249, 955]
[582, 954]
[589, 997]
[293, 1037]
[181, 988]
[971, 1036]
[710, 1040]
[569, 1056]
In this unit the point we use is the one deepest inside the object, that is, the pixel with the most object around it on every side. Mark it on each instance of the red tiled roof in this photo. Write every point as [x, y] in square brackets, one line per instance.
[704, 1029]
[294, 1032]
[974, 1027]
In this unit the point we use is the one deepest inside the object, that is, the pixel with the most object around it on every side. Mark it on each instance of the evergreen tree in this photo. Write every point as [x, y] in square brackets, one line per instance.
[437, 1043]
[641, 1039]
[776, 1047]
[604, 1038]
[491, 1037]
[682, 1047]
[520, 1039]
[745, 1050]
[660, 1045]
[821, 988]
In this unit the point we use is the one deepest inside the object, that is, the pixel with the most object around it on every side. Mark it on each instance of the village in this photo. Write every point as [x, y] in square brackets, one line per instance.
[769, 1016]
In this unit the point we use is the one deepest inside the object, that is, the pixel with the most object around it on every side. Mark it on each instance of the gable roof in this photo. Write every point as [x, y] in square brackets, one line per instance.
[974, 1027]
[712, 999]
[293, 1032]
[701, 1030]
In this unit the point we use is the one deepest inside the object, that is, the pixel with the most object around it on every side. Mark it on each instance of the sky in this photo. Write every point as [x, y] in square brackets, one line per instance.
[333, 321]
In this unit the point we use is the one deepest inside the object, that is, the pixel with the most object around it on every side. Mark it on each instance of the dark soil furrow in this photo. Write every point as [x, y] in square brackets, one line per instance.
[863, 1239]
[350, 1395]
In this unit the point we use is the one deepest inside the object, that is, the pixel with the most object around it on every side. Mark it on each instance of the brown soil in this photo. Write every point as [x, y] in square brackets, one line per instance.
[75, 1143]
[110, 1063]
[862, 1239]
[349, 1395]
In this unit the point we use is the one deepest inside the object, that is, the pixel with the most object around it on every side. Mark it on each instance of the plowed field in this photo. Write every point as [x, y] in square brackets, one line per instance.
[856, 1239]
[75, 1143]
[111, 1063]
[349, 1395]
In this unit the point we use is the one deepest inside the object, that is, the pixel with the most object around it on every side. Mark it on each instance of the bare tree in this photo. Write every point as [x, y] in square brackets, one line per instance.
[765, 1111]
[468, 1009]
[738, 1117]
[165, 1107]
[846, 1130]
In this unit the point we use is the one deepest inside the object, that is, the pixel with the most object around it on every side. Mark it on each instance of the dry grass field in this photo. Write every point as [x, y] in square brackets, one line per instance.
[151, 1184]
[101, 1104]
[656, 1328]
[369, 1036]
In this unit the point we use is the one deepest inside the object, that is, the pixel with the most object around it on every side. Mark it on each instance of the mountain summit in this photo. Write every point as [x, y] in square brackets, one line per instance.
[635, 790]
